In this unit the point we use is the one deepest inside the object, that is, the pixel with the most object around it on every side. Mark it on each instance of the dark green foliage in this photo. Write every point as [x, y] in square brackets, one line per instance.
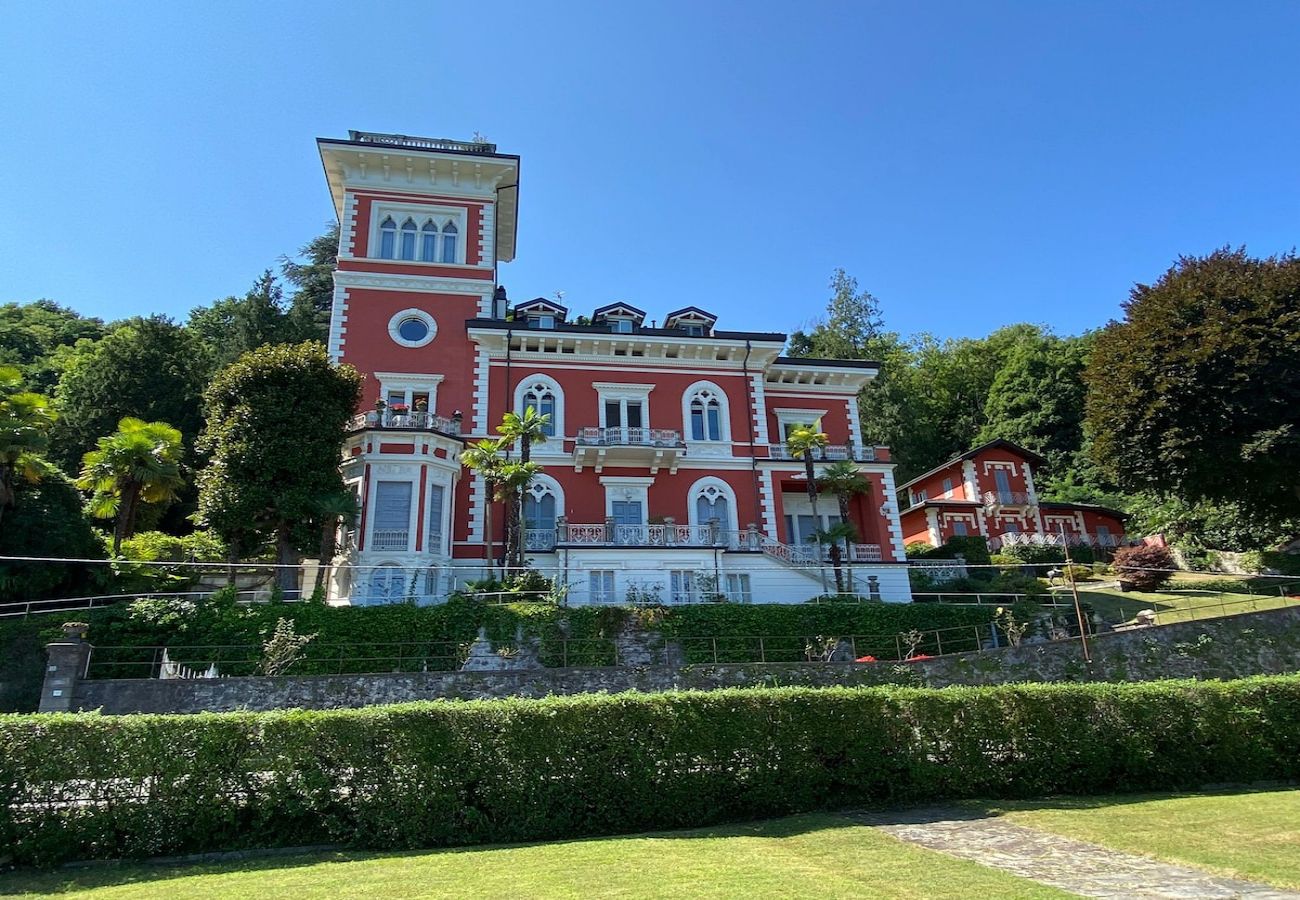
[973, 548]
[1035, 553]
[1144, 568]
[1197, 392]
[448, 773]
[313, 280]
[33, 334]
[149, 369]
[274, 433]
[232, 327]
[47, 519]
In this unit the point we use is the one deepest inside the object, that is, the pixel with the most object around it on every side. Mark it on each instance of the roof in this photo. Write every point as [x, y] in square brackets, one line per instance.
[541, 303]
[693, 312]
[1093, 507]
[999, 444]
[773, 337]
[618, 307]
[829, 363]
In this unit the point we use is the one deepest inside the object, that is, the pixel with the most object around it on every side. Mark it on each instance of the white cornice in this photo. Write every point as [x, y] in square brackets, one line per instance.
[418, 283]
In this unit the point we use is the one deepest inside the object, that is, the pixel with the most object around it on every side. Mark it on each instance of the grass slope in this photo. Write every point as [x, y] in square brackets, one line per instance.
[817, 856]
[1253, 835]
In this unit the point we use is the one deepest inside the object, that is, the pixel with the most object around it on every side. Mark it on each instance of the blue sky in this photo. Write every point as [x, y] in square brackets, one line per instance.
[971, 164]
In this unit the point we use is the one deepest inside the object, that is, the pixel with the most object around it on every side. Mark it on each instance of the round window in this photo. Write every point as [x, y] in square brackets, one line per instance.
[413, 330]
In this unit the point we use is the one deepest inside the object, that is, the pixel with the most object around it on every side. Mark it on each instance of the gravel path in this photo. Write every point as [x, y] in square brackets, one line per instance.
[1075, 866]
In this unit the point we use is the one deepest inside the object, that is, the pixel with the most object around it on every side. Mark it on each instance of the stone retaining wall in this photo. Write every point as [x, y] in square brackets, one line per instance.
[1237, 646]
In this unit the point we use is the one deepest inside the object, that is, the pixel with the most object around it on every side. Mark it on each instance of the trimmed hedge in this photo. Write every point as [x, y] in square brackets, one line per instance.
[448, 773]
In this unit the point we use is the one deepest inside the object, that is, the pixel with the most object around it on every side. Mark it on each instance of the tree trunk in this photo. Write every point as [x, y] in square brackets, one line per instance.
[287, 556]
[836, 563]
[122, 528]
[327, 550]
[488, 561]
[812, 481]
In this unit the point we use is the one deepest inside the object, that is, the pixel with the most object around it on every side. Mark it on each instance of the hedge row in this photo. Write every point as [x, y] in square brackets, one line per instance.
[449, 773]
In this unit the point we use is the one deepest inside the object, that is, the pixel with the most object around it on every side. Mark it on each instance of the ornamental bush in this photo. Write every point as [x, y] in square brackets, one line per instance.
[455, 773]
[1144, 568]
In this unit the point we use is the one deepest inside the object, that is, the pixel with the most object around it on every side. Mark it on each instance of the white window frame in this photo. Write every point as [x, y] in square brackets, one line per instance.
[412, 313]
[630, 488]
[621, 393]
[712, 486]
[738, 587]
[412, 516]
[682, 584]
[418, 213]
[700, 389]
[444, 517]
[554, 443]
[786, 417]
[408, 385]
[608, 590]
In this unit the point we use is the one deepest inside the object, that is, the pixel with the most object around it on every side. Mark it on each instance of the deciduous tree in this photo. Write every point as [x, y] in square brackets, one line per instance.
[274, 434]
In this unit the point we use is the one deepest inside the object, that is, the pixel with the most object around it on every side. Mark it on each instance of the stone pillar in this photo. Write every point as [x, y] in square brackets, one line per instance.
[65, 667]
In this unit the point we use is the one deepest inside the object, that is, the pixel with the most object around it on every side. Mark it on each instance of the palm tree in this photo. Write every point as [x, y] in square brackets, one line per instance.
[485, 458]
[844, 481]
[831, 538]
[528, 429]
[804, 442]
[333, 509]
[25, 420]
[138, 463]
[513, 479]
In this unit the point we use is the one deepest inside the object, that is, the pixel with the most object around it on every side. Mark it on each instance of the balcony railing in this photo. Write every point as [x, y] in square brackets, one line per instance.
[1025, 539]
[829, 453]
[815, 554]
[421, 143]
[539, 540]
[1007, 498]
[613, 534]
[629, 437]
[404, 421]
[390, 540]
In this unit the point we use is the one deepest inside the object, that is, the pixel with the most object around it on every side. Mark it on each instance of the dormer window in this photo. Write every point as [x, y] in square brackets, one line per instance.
[621, 326]
[692, 321]
[694, 330]
[547, 322]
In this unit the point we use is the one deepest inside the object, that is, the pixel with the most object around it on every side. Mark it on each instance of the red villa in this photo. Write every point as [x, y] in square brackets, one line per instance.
[990, 491]
[665, 471]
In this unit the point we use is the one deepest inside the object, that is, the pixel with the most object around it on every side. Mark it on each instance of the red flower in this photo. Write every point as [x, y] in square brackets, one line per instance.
[865, 659]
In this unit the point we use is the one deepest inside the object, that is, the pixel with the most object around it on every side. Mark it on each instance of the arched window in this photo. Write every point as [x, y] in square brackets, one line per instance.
[387, 584]
[706, 418]
[712, 498]
[543, 394]
[429, 242]
[543, 502]
[388, 239]
[705, 411]
[541, 398]
[449, 237]
[408, 239]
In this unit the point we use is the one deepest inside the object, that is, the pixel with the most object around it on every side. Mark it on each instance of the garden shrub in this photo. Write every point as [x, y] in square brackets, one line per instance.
[1039, 554]
[47, 520]
[1144, 568]
[455, 773]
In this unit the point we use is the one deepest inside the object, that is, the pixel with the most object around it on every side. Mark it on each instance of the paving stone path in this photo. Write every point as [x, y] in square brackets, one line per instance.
[1075, 866]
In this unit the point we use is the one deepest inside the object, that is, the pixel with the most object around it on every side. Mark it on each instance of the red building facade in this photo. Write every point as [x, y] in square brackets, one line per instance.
[665, 471]
[990, 491]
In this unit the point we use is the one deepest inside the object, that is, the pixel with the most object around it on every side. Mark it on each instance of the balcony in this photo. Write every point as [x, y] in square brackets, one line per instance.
[993, 499]
[421, 143]
[669, 534]
[653, 448]
[398, 419]
[390, 540]
[829, 453]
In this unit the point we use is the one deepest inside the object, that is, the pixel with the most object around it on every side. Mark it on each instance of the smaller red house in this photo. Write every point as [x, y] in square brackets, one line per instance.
[990, 491]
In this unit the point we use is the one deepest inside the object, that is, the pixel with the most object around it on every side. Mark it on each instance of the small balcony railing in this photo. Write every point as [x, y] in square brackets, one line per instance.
[614, 534]
[829, 453]
[421, 143]
[413, 420]
[629, 437]
[539, 540]
[1026, 539]
[1007, 498]
[390, 540]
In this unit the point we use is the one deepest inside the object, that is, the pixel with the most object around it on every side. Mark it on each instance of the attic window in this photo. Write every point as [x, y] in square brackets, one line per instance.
[621, 326]
[541, 321]
[694, 329]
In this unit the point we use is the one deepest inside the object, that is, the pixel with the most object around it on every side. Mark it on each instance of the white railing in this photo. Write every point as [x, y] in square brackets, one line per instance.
[422, 143]
[1007, 498]
[831, 453]
[390, 540]
[940, 570]
[860, 553]
[411, 421]
[539, 540]
[173, 670]
[629, 437]
[1026, 539]
[815, 554]
[664, 535]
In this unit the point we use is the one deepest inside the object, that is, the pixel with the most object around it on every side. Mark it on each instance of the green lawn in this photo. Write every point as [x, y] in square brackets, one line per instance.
[1252, 835]
[1115, 606]
[816, 856]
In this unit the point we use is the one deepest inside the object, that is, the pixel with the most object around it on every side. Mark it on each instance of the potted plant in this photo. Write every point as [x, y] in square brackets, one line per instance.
[421, 405]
